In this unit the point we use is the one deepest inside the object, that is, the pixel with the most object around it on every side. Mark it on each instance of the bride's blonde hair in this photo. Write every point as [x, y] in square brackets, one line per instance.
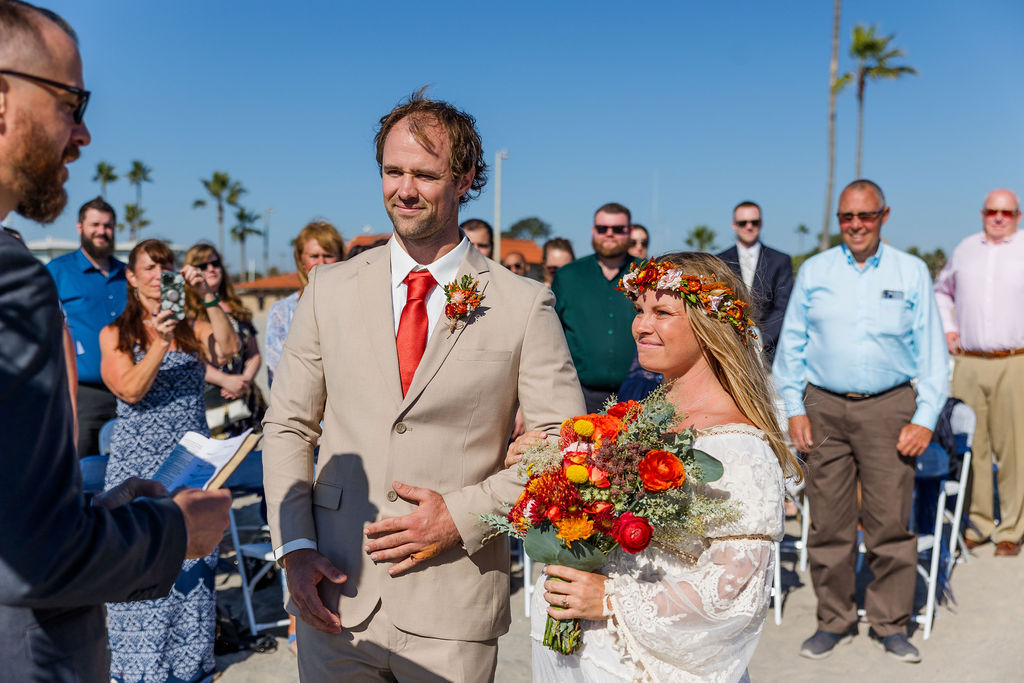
[736, 360]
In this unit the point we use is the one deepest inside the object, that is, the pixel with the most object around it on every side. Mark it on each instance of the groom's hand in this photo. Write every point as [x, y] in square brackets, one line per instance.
[305, 568]
[413, 538]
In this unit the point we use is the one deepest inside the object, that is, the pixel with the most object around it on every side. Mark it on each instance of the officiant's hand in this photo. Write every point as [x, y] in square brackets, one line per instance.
[523, 443]
[304, 569]
[127, 491]
[413, 538]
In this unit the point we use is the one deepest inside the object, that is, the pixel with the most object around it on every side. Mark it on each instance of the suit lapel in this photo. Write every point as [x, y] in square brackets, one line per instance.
[443, 339]
[374, 290]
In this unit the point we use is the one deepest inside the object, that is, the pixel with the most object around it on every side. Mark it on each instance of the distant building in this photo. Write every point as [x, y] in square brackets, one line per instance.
[51, 247]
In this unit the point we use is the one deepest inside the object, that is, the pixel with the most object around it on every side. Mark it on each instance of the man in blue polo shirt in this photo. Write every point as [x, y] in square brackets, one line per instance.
[91, 287]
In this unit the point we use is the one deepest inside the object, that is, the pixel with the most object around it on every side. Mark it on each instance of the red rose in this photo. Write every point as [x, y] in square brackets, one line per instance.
[660, 471]
[633, 533]
[449, 311]
[598, 507]
[621, 408]
[553, 514]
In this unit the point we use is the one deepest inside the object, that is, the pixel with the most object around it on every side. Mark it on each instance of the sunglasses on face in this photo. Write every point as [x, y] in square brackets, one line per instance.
[82, 95]
[638, 243]
[516, 265]
[755, 223]
[863, 216]
[215, 263]
[1005, 213]
[616, 229]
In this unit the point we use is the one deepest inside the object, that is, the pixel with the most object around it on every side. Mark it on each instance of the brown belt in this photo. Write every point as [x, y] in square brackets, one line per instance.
[860, 397]
[1004, 353]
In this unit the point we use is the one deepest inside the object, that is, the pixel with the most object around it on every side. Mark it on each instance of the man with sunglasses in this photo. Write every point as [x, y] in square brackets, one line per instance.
[61, 557]
[861, 324]
[979, 294]
[92, 289]
[596, 318]
[767, 272]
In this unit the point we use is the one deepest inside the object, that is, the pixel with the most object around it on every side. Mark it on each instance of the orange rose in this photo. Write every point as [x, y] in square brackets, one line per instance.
[660, 471]
[621, 408]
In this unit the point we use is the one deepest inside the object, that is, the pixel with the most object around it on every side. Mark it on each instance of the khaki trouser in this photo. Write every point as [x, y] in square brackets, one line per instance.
[377, 651]
[857, 441]
[994, 389]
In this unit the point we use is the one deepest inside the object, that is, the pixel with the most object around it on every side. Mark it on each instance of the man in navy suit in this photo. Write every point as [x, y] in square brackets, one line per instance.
[767, 272]
[61, 557]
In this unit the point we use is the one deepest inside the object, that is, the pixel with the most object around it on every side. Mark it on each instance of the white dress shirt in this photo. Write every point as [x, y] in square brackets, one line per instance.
[748, 261]
[444, 270]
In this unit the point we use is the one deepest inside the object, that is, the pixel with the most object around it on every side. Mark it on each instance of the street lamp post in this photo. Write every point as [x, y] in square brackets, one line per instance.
[501, 154]
[266, 240]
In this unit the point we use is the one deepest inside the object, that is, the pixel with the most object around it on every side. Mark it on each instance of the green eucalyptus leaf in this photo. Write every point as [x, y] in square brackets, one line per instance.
[711, 468]
[543, 545]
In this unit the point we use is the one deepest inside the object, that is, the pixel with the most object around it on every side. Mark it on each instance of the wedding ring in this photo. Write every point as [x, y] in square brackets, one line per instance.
[565, 602]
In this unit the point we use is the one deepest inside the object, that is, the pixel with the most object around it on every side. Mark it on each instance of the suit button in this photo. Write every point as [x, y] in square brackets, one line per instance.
[391, 496]
[400, 428]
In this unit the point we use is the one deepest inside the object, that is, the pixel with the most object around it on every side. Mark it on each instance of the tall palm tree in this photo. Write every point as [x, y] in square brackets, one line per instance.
[223, 190]
[139, 174]
[134, 218]
[104, 176]
[701, 238]
[873, 56]
[835, 84]
[801, 230]
[246, 220]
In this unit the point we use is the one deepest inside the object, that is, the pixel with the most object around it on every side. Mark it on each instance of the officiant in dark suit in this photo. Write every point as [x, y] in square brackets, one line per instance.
[766, 271]
[61, 557]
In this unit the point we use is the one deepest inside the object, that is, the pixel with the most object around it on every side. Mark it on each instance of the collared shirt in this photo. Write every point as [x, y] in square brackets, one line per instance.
[598, 321]
[980, 293]
[866, 330]
[91, 301]
[747, 257]
[444, 270]
[279, 321]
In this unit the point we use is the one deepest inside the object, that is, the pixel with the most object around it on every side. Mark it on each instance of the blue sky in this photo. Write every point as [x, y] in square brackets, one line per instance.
[678, 110]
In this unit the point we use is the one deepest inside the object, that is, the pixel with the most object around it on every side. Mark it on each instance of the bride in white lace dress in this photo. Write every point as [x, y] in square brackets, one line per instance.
[692, 612]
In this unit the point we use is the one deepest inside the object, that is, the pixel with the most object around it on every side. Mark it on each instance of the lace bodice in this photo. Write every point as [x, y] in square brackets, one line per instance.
[680, 618]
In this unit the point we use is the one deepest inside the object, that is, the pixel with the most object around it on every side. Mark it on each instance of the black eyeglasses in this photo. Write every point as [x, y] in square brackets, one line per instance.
[638, 243]
[82, 95]
[516, 265]
[616, 229]
[215, 263]
[863, 216]
[755, 223]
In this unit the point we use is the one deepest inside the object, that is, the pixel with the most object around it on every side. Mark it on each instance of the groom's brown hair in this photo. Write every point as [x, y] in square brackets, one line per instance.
[467, 151]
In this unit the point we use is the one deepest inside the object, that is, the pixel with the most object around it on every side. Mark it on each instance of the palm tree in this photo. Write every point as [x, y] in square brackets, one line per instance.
[801, 230]
[139, 174]
[104, 176]
[134, 218]
[224, 191]
[701, 238]
[243, 228]
[835, 84]
[873, 57]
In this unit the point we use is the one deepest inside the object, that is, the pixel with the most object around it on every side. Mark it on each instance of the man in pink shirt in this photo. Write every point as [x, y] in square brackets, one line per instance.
[980, 294]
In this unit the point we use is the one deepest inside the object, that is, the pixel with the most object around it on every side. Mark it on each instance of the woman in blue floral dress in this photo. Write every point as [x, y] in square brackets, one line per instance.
[154, 365]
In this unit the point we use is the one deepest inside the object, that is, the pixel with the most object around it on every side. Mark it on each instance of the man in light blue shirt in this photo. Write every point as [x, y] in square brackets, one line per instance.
[861, 324]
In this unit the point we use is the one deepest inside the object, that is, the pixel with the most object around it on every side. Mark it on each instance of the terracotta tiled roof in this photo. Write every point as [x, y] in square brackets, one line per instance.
[528, 248]
[284, 281]
[365, 239]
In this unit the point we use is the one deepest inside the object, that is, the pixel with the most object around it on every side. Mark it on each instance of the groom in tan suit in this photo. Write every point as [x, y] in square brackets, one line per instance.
[386, 561]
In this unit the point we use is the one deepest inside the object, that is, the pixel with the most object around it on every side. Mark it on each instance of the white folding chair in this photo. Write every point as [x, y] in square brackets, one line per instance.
[106, 432]
[799, 546]
[263, 552]
[527, 581]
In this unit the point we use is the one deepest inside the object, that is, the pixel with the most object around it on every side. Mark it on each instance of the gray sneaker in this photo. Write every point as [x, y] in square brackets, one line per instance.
[821, 644]
[898, 646]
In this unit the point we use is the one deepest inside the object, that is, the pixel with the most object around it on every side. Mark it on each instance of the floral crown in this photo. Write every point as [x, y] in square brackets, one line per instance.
[715, 299]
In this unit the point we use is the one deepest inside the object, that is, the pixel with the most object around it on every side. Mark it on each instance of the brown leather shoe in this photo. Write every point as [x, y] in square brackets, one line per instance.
[972, 544]
[1007, 549]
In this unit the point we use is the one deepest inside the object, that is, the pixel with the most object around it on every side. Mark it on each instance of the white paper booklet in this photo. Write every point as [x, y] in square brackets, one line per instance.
[201, 462]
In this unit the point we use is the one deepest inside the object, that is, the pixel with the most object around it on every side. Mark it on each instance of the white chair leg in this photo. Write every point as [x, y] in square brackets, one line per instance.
[958, 509]
[777, 584]
[246, 596]
[805, 527]
[933, 570]
[527, 582]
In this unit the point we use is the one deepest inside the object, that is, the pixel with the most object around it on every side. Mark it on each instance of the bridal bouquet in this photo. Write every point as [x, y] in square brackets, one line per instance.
[617, 478]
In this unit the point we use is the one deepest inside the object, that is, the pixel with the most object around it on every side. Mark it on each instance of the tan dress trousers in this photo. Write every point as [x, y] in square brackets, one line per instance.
[857, 441]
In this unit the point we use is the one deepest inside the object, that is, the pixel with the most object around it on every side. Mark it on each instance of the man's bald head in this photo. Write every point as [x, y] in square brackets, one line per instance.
[1000, 214]
[22, 41]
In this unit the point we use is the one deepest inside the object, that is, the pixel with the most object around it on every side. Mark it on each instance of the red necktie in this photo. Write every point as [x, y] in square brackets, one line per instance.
[412, 326]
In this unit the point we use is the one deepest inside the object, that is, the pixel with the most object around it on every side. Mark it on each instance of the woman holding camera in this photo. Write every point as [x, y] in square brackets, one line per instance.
[153, 362]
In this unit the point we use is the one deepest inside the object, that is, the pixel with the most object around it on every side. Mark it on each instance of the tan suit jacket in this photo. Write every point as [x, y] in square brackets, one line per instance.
[448, 434]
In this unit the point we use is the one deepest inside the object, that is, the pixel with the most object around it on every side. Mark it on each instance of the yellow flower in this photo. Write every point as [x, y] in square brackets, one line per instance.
[574, 528]
[585, 428]
[577, 474]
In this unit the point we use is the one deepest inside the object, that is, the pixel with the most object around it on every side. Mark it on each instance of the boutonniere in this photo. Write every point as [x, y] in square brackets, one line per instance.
[463, 297]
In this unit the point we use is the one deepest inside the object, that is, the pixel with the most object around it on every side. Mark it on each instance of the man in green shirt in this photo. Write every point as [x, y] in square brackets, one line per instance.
[597, 318]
